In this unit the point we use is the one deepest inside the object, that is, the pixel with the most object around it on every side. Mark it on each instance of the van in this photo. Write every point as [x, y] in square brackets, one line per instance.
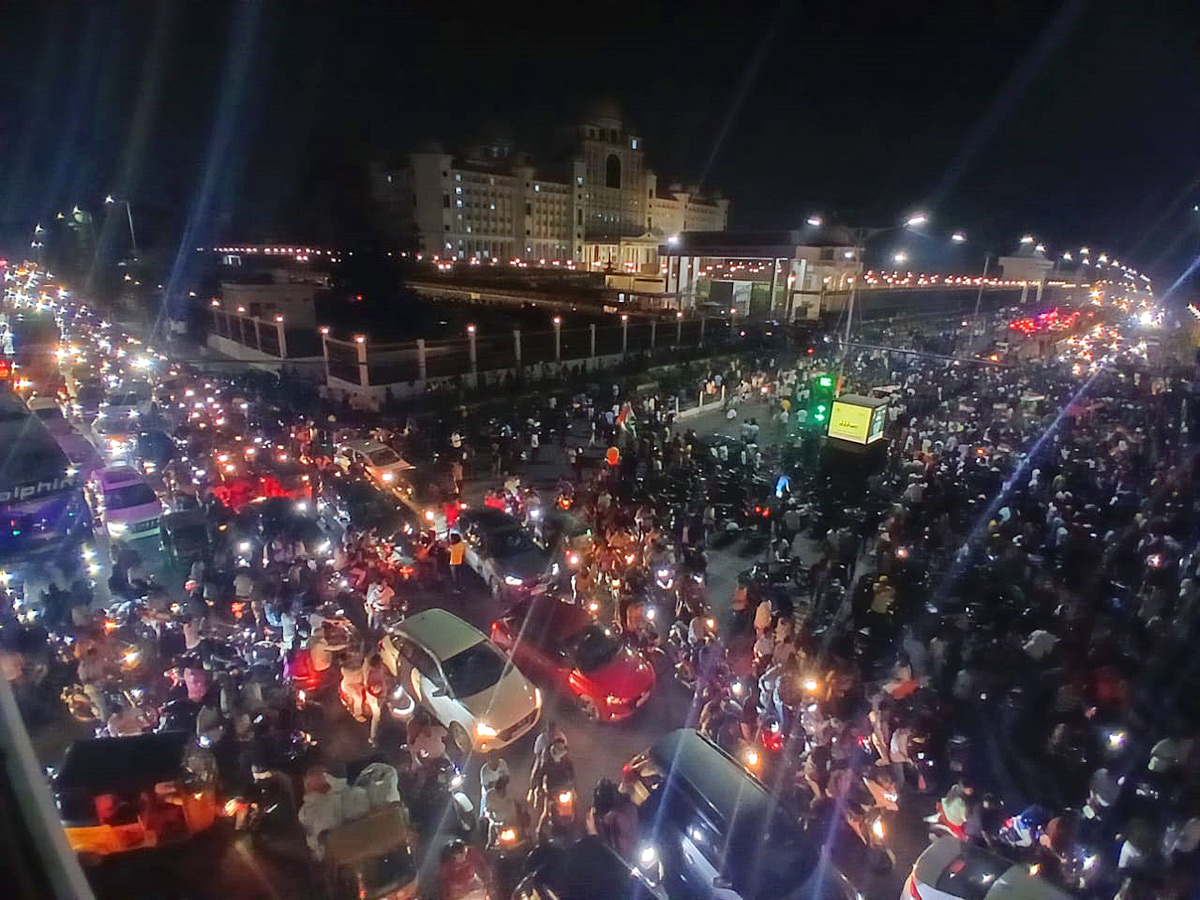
[718, 832]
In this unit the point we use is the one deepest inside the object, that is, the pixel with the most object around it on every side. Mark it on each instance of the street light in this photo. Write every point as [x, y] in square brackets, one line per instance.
[1027, 239]
[916, 220]
[900, 257]
[958, 237]
[1067, 256]
[814, 221]
[110, 201]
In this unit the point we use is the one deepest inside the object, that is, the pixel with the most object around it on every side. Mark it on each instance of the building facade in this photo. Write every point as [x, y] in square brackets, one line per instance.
[492, 203]
[789, 273]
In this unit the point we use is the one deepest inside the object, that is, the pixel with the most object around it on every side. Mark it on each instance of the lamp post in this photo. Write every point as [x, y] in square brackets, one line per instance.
[110, 201]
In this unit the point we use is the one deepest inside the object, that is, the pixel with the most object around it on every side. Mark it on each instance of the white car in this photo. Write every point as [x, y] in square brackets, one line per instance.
[127, 505]
[132, 400]
[50, 413]
[952, 870]
[463, 679]
[114, 438]
[381, 463]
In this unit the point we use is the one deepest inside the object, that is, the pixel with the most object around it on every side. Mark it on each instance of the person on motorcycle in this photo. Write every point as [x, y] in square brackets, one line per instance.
[321, 647]
[614, 817]
[379, 599]
[501, 811]
[462, 872]
[553, 774]
[426, 737]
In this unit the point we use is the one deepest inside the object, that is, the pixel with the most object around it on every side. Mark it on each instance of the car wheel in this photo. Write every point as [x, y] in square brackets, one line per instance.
[588, 707]
[460, 739]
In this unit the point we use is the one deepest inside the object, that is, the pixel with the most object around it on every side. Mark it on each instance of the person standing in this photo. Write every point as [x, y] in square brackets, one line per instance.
[458, 551]
[535, 446]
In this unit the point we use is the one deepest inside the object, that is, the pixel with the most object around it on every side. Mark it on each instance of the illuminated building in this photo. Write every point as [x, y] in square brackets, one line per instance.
[493, 203]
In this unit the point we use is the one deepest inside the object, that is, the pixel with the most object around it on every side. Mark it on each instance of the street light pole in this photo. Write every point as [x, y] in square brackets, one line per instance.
[987, 258]
[110, 200]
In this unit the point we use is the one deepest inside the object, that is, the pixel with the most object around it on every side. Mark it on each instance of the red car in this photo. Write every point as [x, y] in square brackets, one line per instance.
[560, 644]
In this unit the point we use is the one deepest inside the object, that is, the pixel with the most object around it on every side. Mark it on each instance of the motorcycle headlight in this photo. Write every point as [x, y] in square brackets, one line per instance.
[387, 477]
[512, 581]
[647, 857]
[877, 829]
[483, 729]
[566, 796]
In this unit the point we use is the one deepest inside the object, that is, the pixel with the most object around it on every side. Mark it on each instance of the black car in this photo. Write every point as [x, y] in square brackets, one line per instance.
[153, 449]
[260, 523]
[185, 534]
[587, 870]
[354, 501]
[502, 553]
[718, 831]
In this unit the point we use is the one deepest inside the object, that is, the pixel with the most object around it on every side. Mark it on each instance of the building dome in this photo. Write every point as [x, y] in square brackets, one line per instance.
[605, 112]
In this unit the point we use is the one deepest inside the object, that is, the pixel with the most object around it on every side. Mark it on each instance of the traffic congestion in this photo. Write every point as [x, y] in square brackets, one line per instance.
[586, 646]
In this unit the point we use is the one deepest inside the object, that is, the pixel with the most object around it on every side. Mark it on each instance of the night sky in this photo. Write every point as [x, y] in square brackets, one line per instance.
[1077, 122]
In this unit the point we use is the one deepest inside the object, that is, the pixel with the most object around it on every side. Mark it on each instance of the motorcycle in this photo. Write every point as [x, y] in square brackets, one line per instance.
[560, 823]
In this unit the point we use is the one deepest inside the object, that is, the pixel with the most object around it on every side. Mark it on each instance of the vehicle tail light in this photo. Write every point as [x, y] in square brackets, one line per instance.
[913, 893]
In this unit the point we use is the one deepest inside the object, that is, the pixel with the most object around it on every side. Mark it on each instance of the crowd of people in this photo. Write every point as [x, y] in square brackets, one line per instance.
[987, 614]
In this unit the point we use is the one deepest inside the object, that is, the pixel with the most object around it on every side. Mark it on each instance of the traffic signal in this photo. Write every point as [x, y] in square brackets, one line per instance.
[820, 401]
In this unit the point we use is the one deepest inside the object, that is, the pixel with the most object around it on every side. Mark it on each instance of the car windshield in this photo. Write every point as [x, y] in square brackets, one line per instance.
[474, 670]
[384, 456]
[972, 875]
[128, 495]
[129, 398]
[593, 647]
[508, 542]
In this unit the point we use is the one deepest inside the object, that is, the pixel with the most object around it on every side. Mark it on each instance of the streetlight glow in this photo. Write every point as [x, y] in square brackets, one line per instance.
[916, 220]
[900, 257]
[958, 237]
[1027, 239]
[814, 221]
[109, 200]
[1067, 256]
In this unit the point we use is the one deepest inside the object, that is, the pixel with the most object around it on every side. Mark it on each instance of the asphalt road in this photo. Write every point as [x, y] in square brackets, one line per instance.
[219, 866]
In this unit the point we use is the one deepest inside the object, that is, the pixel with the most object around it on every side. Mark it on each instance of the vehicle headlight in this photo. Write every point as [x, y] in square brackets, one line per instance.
[387, 477]
[117, 527]
[244, 547]
[647, 857]
[877, 829]
[508, 836]
[537, 697]
[483, 729]
[133, 414]
[513, 581]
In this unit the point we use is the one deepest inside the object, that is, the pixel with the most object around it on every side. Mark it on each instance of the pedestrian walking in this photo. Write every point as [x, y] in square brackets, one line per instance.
[458, 551]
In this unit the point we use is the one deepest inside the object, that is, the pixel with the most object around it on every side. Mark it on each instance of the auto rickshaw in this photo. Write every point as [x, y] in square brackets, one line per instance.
[372, 857]
[128, 793]
[185, 535]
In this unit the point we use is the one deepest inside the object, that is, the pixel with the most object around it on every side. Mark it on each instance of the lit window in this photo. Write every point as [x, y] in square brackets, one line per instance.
[458, 190]
[458, 176]
[389, 178]
[537, 187]
[633, 143]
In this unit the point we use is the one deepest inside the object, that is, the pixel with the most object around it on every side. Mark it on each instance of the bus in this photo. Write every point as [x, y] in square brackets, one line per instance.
[42, 504]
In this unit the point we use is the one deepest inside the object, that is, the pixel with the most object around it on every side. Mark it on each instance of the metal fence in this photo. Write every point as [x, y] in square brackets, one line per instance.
[477, 354]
